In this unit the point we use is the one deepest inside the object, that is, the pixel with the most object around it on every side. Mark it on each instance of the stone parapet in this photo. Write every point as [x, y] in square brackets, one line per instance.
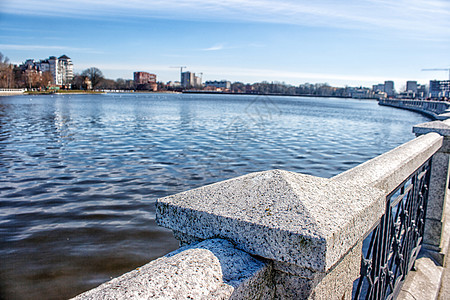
[310, 228]
[280, 234]
[438, 110]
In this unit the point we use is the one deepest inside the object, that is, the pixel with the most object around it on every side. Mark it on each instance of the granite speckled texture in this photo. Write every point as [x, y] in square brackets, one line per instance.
[213, 269]
[390, 169]
[283, 216]
[337, 283]
[440, 127]
[438, 183]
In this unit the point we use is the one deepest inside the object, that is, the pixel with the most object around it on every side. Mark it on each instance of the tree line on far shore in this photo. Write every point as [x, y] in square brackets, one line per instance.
[12, 76]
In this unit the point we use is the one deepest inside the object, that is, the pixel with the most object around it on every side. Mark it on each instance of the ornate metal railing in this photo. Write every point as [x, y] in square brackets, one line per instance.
[391, 248]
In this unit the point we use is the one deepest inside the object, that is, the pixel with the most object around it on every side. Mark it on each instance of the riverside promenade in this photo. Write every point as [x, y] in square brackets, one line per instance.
[377, 231]
[11, 92]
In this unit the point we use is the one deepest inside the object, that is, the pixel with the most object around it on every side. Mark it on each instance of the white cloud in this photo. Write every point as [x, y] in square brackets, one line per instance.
[216, 47]
[410, 18]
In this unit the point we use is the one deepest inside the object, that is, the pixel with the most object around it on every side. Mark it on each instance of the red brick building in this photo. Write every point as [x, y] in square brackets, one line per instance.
[144, 77]
[147, 79]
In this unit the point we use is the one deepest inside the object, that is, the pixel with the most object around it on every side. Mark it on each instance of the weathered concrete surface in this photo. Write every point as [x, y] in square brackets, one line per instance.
[444, 292]
[443, 116]
[390, 169]
[213, 269]
[283, 216]
[424, 283]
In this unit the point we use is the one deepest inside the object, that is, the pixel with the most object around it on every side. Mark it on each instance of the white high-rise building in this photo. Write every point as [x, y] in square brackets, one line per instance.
[61, 69]
[66, 69]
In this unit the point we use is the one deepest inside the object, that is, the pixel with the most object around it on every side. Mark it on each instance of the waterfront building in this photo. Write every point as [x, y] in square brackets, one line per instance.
[187, 79]
[411, 86]
[439, 88]
[197, 81]
[43, 65]
[378, 88]
[359, 92]
[145, 81]
[389, 88]
[422, 91]
[174, 84]
[61, 69]
[144, 78]
[223, 84]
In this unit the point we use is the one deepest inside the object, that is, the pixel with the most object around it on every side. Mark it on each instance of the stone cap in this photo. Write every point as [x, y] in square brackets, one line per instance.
[440, 127]
[283, 216]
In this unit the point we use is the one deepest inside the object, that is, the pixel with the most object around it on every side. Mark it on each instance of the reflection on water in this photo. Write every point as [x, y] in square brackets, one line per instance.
[79, 174]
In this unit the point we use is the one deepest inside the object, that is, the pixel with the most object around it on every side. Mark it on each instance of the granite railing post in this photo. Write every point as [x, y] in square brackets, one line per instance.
[309, 228]
[433, 236]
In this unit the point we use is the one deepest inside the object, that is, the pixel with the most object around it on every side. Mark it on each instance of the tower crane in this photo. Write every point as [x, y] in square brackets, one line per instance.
[181, 69]
[443, 69]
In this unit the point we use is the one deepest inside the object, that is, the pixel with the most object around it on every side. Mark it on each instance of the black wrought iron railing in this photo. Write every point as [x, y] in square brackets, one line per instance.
[391, 248]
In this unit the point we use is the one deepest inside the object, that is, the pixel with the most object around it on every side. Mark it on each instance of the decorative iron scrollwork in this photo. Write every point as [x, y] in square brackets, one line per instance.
[389, 251]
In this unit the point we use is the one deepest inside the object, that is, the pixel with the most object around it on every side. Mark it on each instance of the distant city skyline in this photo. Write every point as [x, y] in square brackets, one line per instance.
[356, 43]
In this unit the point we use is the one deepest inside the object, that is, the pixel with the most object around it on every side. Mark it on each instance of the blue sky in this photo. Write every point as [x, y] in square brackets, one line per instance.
[342, 43]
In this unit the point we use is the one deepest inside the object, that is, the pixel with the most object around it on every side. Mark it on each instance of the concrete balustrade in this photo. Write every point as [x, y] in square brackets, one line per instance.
[438, 110]
[10, 92]
[280, 234]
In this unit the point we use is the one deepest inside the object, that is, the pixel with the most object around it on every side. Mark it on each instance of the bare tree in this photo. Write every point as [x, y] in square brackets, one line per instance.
[78, 82]
[94, 75]
[6, 72]
[46, 79]
[31, 78]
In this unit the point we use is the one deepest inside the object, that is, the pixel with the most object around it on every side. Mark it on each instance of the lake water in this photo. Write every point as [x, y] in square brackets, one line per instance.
[79, 174]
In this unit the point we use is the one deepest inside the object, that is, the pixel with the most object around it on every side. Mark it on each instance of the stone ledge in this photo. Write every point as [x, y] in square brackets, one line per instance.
[390, 169]
[213, 269]
[424, 282]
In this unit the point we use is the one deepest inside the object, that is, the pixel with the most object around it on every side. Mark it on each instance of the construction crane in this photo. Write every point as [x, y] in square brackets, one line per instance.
[181, 69]
[447, 70]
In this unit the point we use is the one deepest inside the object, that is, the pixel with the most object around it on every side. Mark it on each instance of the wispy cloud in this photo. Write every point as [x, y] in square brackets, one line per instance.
[45, 47]
[216, 47]
[413, 18]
